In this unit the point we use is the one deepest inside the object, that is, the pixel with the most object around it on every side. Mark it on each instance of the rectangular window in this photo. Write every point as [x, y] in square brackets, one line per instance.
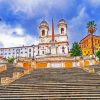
[1, 54]
[29, 55]
[29, 50]
[63, 51]
[42, 52]
[84, 51]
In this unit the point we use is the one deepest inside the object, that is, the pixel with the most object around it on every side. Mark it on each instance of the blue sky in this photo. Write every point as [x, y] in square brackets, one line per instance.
[21, 18]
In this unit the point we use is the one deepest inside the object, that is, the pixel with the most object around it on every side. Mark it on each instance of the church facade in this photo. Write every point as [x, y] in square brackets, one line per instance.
[54, 44]
[49, 44]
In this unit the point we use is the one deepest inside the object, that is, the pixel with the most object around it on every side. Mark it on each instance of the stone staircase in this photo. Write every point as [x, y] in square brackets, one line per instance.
[54, 84]
[7, 75]
[10, 70]
[96, 67]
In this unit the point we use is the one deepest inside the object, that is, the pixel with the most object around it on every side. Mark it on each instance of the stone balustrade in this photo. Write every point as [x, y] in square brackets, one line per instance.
[16, 75]
[6, 80]
[68, 62]
[89, 69]
[3, 67]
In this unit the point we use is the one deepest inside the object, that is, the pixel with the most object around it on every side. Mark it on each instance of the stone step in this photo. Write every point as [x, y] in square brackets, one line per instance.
[52, 87]
[70, 84]
[50, 90]
[62, 75]
[58, 79]
[77, 80]
[70, 81]
[81, 78]
[29, 87]
[51, 93]
[50, 98]
[56, 86]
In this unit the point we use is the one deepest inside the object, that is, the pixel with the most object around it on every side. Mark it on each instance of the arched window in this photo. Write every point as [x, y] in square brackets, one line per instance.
[63, 50]
[62, 30]
[43, 32]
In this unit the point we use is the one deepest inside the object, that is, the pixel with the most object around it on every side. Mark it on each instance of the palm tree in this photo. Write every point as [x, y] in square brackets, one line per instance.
[91, 29]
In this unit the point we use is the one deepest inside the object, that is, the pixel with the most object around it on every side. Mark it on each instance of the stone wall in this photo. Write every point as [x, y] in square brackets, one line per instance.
[3, 67]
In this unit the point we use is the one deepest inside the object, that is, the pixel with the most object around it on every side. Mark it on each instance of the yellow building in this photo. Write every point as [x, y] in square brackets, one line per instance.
[90, 44]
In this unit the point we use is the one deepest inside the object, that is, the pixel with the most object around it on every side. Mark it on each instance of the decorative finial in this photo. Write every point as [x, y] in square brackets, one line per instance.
[43, 18]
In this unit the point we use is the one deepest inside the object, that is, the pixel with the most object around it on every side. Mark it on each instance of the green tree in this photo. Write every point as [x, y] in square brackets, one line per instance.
[98, 54]
[11, 60]
[76, 50]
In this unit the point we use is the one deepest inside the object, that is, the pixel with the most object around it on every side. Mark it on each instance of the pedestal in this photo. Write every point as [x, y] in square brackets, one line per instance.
[53, 50]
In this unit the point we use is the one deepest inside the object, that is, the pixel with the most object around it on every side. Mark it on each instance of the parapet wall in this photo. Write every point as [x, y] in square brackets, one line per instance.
[55, 62]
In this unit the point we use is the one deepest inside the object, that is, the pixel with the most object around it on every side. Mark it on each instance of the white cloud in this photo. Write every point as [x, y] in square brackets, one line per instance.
[19, 31]
[1, 45]
[80, 17]
[77, 25]
[38, 7]
[1, 0]
[94, 2]
[11, 37]
[36, 42]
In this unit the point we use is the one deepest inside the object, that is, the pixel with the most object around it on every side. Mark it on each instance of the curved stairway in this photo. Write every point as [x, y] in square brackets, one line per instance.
[54, 84]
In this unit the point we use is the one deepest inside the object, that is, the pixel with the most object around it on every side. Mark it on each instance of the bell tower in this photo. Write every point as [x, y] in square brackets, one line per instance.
[62, 27]
[44, 28]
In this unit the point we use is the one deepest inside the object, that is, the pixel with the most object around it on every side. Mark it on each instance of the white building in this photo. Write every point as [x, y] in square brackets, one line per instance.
[24, 51]
[49, 45]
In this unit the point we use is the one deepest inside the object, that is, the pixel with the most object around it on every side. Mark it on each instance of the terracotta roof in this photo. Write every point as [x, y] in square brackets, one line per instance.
[88, 36]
